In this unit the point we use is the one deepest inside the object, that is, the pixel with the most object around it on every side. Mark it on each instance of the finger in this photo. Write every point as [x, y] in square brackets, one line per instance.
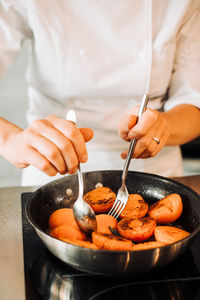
[61, 152]
[73, 134]
[146, 121]
[156, 148]
[147, 144]
[124, 126]
[152, 149]
[34, 158]
[162, 134]
[87, 134]
[144, 144]
[47, 148]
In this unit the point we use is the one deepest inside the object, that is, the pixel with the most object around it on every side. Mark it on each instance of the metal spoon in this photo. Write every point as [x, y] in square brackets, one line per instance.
[83, 213]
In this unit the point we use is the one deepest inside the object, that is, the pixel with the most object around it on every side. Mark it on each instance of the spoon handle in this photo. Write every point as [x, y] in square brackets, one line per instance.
[80, 181]
[71, 116]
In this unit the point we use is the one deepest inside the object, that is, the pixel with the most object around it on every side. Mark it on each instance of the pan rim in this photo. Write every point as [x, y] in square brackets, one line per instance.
[163, 178]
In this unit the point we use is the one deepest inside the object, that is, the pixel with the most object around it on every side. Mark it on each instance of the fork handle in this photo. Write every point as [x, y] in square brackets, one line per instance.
[133, 142]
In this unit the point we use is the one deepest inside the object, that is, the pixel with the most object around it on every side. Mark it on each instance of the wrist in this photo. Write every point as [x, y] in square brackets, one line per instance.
[7, 130]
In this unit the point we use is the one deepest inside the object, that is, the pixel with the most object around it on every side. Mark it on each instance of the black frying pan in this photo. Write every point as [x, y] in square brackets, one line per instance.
[52, 196]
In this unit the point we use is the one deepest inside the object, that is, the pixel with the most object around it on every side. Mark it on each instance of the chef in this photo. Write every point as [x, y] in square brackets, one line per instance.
[99, 57]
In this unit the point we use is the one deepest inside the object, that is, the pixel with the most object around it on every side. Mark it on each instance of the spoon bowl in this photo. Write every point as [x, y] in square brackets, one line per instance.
[83, 213]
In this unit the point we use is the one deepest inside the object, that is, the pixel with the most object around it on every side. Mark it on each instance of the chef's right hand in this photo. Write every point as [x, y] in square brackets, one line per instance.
[52, 145]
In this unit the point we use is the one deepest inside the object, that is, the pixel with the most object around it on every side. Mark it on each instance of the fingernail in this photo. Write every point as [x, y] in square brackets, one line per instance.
[132, 135]
[63, 172]
[72, 171]
[84, 158]
[123, 155]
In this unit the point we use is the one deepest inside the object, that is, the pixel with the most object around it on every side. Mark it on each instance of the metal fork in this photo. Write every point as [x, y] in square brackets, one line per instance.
[122, 195]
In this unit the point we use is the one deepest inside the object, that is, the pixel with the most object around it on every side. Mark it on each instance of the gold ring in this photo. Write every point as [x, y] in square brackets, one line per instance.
[156, 140]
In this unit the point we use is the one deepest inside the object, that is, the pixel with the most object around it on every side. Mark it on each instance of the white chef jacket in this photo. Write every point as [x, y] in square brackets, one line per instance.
[99, 57]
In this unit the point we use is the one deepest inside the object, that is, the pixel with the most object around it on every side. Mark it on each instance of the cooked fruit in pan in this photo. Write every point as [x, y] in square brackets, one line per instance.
[136, 207]
[167, 210]
[62, 216]
[148, 245]
[104, 222]
[81, 243]
[67, 231]
[111, 242]
[100, 199]
[169, 234]
[137, 229]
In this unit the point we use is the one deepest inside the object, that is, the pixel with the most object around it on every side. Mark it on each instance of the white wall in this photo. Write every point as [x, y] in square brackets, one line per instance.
[13, 106]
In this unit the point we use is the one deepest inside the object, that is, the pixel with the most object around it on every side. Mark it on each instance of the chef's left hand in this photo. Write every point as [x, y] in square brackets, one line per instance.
[152, 124]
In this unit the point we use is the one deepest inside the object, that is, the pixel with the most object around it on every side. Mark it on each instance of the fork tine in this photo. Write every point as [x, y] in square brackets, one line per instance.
[118, 210]
[114, 207]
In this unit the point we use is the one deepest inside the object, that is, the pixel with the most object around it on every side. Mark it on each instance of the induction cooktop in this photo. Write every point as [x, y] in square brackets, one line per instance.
[46, 277]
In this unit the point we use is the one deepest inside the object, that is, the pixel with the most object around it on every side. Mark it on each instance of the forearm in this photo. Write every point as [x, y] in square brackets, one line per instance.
[7, 129]
[183, 122]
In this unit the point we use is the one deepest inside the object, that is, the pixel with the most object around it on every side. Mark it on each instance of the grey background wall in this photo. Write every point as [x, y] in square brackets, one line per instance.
[13, 106]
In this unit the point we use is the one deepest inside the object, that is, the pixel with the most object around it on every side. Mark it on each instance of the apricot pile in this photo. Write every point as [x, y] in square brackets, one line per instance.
[139, 226]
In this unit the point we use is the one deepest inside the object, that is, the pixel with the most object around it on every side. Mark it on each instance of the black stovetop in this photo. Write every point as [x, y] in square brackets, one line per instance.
[46, 277]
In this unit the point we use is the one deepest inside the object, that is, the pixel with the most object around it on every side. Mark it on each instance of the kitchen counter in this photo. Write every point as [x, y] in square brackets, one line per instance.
[11, 246]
